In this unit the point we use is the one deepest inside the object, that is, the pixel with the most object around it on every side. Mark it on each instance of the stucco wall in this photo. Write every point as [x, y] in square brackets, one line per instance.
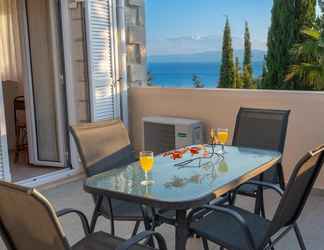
[218, 108]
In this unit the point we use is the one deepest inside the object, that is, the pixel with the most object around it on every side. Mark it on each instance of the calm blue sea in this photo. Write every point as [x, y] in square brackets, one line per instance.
[180, 74]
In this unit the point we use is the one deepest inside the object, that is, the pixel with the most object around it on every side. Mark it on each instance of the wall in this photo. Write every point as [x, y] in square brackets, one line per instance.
[79, 64]
[136, 53]
[218, 108]
[136, 46]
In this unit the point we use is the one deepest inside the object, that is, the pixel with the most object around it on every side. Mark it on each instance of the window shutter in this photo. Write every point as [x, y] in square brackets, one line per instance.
[4, 161]
[102, 59]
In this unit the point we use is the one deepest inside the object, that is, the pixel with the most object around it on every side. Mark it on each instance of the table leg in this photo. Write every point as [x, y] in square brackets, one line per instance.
[182, 231]
[148, 224]
[96, 213]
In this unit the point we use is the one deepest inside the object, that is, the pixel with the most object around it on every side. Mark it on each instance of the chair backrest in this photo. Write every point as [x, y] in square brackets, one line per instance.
[263, 129]
[298, 189]
[103, 146]
[28, 221]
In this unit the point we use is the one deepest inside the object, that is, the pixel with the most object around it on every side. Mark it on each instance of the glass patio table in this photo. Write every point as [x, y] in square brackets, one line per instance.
[182, 188]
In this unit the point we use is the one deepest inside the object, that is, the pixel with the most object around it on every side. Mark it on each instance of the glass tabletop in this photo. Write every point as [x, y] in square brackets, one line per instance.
[184, 186]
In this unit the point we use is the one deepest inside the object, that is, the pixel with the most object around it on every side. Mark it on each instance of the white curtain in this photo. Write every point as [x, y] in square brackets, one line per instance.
[10, 47]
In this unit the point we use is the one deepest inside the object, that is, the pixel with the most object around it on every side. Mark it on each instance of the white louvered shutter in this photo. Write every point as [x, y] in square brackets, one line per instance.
[4, 162]
[102, 59]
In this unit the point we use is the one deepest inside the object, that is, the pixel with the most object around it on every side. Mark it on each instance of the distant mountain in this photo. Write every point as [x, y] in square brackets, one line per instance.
[204, 57]
[196, 44]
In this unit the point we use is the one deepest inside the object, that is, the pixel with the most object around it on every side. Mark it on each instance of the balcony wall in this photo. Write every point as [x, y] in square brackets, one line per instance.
[218, 108]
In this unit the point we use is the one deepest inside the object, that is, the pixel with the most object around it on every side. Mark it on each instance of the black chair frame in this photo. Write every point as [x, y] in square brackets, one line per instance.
[276, 228]
[127, 244]
[100, 199]
[258, 195]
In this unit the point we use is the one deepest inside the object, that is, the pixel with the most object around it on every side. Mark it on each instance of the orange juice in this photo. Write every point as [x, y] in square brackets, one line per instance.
[146, 163]
[222, 136]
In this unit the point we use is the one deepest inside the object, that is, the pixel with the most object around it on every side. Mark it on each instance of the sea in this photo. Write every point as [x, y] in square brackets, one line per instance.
[179, 75]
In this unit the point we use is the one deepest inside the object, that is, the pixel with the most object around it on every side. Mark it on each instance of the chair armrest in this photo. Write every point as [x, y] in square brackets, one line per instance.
[265, 184]
[201, 211]
[83, 218]
[141, 236]
[235, 215]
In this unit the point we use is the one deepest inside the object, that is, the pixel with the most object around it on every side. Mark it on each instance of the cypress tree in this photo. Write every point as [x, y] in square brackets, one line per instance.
[238, 80]
[247, 50]
[227, 74]
[281, 38]
[247, 66]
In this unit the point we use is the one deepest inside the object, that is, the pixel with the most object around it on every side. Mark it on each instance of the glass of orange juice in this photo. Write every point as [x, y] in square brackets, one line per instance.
[222, 136]
[146, 162]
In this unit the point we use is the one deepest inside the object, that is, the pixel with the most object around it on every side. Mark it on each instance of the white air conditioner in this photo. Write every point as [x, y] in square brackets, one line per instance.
[162, 134]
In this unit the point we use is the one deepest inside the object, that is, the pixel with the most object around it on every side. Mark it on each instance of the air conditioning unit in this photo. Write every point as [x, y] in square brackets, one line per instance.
[162, 134]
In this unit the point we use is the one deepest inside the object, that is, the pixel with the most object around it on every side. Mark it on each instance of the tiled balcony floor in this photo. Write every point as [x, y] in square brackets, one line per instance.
[72, 196]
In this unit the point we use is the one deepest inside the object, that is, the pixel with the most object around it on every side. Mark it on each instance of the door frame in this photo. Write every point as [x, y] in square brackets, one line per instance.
[3, 138]
[75, 168]
[29, 95]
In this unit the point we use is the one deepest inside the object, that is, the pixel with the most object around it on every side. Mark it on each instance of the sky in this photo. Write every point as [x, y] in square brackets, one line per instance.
[178, 26]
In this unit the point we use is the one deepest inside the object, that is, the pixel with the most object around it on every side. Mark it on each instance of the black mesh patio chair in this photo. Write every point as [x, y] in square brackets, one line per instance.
[103, 146]
[234, 228]
[28, 221]
[262, 129]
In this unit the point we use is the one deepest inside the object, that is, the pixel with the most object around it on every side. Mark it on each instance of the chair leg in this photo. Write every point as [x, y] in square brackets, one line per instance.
[112, 221]
[137, 224]
[17, 145]
[281, 177]
[112, 226]
[299, 237]
[263, 213]
[96, 214]
[147, 225]
[232, 198]
[205, 244]
[94, 219]
[259, 203]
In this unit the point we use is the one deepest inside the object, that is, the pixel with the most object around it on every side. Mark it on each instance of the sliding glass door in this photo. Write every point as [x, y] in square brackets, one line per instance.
[46, 89]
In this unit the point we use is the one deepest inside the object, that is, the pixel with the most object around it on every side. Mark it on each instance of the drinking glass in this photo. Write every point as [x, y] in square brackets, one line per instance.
[146, 162]
[213, 137]
[222, 136]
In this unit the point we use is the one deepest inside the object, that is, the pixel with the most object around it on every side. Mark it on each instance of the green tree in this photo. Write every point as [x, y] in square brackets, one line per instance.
[305, 12]
[227, 71]
[309, 72]
[238, 79]
[289, 17]
[281, 38]
[247, 80]
[247, 50]
[197, 83]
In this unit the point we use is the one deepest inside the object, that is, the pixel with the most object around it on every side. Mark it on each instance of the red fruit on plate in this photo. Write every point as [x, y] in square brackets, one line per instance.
[177, 155]
[194, 150]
